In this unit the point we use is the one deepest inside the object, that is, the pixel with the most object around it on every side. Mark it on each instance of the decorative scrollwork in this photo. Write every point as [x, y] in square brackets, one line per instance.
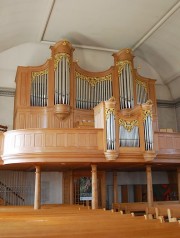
[147, 113]
[109, 111]
[128, 125]
[121, 65]
[65, 42]
[142, 84]
[93, 80]
[149, 102]
[112, 99]
[39, 73]
[58, 57]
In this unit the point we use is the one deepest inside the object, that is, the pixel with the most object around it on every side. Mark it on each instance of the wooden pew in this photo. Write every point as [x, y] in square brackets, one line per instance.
[171, 212]
[130, 207]
[70, 221]
[158, 210]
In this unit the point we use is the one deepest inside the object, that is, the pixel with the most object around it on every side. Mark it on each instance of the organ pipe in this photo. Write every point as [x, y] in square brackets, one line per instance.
[148, 130]
[141, 92]
[91, 91]
[62, 79]
[110, 128]
[39, 86]
[125, 84]
[128, 133]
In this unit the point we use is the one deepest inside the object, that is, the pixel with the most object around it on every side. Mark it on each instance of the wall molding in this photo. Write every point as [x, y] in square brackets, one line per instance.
[168, 104]
[7, 92]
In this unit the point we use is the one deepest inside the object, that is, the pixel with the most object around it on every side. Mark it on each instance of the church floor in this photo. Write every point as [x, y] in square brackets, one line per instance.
[77, 221]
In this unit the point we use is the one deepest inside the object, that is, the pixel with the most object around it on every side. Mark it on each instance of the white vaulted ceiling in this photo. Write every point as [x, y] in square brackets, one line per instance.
[150, 27]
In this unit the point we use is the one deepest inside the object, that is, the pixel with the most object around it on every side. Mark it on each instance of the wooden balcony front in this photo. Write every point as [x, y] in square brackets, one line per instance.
[78, 145]
[53, 145]
[167, 145]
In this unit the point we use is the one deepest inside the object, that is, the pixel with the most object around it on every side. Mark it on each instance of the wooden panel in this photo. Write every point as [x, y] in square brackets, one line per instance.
[177, 142]
[38, 139]
[61, 139]
[23, 89]
[124, 191]
[168, 140]
[66, 192]
[71, 140]
[19, 141]
[138, 193]
[162, 142]
[167, 145]
[53, 141]
[28, 138]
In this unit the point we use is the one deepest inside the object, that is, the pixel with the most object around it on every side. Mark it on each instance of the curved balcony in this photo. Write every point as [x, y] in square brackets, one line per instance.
[53, 145]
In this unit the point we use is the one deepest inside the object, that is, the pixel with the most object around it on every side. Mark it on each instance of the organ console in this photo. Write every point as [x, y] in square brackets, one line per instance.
[60, 94]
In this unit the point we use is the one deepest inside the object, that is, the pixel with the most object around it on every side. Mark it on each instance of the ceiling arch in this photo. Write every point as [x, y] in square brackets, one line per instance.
[149, 27]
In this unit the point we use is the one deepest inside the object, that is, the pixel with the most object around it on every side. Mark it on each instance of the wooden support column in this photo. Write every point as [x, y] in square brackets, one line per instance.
[94, 187]
[115, 187]
[178, 182]
[37, 194]
[149, 185]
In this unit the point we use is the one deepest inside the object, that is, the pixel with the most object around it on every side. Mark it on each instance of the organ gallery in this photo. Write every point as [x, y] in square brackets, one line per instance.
[102, 121]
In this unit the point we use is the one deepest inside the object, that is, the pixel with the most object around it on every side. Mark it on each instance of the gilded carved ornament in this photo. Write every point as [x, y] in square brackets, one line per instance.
[39, 73]
[149, 102]
[109, 111]
[147, 113]
[142, 84]
[112, 99]
[93, 80]
[65, 42]
[128, 125]
[122, 64]
[58, 57]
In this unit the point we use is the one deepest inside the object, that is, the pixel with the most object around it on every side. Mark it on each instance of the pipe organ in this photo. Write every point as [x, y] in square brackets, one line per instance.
[64, 95]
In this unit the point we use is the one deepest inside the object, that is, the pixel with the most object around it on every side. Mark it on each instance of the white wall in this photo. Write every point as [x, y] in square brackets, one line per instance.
[174, 86]
[51, 188]
[167, 118]
[6, 111]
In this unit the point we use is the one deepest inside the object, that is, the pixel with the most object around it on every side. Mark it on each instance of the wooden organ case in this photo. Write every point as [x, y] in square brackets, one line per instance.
[60, 94]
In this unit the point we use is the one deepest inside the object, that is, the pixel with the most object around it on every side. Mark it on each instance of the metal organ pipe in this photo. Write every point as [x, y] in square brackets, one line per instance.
[62, 80]
[110, 130]
[141, 92]
[148, 131]
[91, 91]
[126, 86]
[128, 133]
[39, 88]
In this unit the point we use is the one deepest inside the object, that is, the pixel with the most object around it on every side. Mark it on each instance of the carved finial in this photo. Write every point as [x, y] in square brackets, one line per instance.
[112, 99]
[149, 102]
